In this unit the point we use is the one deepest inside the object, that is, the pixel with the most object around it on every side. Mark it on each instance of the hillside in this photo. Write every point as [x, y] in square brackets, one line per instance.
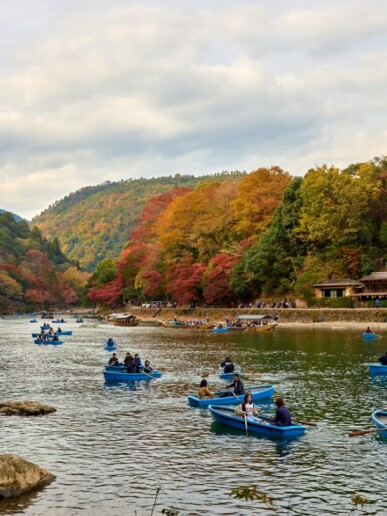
[16, 217]
[95, 222]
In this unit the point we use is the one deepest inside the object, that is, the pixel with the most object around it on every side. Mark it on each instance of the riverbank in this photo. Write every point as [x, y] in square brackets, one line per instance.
[287, 317]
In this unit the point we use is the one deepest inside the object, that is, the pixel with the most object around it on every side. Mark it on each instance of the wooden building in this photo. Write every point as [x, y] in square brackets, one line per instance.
[375, 287]
[341, 287]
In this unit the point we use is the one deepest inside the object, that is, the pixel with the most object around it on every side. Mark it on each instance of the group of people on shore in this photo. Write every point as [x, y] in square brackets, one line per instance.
[132, 363]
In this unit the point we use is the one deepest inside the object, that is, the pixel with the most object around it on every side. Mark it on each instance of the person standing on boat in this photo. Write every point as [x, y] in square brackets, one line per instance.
[113, 360]
[204, 392]
[383, 359]
[282, 415]
[228, 365]
[237, 385]
[247, 408]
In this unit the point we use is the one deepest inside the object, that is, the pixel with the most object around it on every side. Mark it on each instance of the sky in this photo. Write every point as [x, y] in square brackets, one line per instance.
[103, 90]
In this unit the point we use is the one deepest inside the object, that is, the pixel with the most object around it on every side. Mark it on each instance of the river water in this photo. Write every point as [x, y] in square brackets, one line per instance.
[112, 446]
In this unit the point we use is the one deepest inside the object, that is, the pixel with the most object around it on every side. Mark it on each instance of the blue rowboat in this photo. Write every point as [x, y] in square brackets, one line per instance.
[222, 329]
[48, 342]
[369, 336]
[229, 376]
[110, 348]
[258, 392]
[379, 417]
[58, 321]
[69, 332]
[33, 320]
[377, 368]
[117, 376]
[226, 416]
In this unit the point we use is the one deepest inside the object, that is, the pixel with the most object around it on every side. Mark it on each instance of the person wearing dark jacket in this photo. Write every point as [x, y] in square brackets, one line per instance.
[228, 365]
[132, 368]
[237, 385]
[383, 359]
[113, 360]
[282, 416]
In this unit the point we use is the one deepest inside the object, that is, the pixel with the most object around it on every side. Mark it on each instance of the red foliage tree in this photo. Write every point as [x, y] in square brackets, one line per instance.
[184, 280]
[217, 279]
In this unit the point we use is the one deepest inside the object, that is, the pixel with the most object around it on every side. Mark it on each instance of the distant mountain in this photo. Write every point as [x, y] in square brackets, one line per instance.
[16, 217]
[95, 222]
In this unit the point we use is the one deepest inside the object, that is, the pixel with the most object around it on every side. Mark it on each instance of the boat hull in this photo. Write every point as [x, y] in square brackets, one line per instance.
[259, 392]
[59, 333]
[377, 369]
[264, 327]
[110, 348]
[224, 329]
[49, 342]
[229, 376]
[117, 376]
[379, 417]
[227, 417]
[369, 336]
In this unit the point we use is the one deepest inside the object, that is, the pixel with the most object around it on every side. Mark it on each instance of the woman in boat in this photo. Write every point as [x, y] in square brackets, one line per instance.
[59, 330]
[204, 392]
[147, 367]
[228, 365]
[247, 408]
[282, 415]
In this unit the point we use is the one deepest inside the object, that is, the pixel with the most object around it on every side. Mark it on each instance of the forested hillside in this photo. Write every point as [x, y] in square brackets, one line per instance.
[269, 234]
[33, 271]
[95, 222]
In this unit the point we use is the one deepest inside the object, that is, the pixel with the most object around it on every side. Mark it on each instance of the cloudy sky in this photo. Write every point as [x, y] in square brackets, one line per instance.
[97, 90]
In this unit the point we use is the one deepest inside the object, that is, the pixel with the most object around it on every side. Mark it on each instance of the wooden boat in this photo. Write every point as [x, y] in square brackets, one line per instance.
[258, 392]
[48, 342]
[379, 417]
[123, 319]
[229, 376]
[377, 368]
[369, 336]
[118, 376]
[265, 428]
[203, 326]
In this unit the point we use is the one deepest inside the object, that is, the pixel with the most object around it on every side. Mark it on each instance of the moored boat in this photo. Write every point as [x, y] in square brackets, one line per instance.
[379, 417]
[254, 323]
[369, 336]
[118, 376]
[258, 392]
[181, 326]
[377, 368]
[262, 426]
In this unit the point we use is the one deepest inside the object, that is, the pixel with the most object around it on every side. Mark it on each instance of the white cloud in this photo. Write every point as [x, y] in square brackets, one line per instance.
[109, 90]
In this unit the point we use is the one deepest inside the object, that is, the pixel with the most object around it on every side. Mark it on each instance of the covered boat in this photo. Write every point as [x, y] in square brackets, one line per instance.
[119, 376]
[369, 336]
[379, 417]
[253, 323]
[377, 368]
[263, 426]
[229, 376]
[258, 392]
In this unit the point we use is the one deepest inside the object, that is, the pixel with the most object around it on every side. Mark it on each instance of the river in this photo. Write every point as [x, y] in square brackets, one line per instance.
[112, 446]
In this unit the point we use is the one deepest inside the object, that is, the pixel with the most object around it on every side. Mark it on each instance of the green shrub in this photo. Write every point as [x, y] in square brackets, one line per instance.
[332, 302]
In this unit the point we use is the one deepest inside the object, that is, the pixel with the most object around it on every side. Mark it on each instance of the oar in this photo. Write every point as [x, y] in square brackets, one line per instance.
[306, 423]
[364, 432]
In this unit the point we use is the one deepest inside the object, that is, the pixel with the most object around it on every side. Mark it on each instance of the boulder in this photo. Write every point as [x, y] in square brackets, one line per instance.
[18, 476]
[25, 408]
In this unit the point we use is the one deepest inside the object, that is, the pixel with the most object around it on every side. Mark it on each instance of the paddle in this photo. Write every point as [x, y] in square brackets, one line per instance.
[364, 432]
[247, 431]
[306, 423]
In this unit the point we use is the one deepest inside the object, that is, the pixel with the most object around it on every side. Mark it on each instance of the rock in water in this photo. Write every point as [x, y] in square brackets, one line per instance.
[25, 408]
[18, 476]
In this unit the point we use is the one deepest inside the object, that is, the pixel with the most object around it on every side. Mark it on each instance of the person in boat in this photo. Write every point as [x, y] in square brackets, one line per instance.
[368, 330]
[383, 359]
[132, 368]
[51, 332]
[237, 386]
[204, 392]
[62, 320]
[247, 407]
[228, 365]
[109, 342]
[113, 360]
[127, 359]
[55, 338]
[59, 330]
[282, 415]
[137, 360]
[39, 339]
[147, 367]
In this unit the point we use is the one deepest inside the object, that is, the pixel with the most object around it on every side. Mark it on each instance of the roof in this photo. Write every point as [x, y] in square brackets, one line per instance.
[339, 282]
[121, 316]
[375, 276]
[253, 317]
